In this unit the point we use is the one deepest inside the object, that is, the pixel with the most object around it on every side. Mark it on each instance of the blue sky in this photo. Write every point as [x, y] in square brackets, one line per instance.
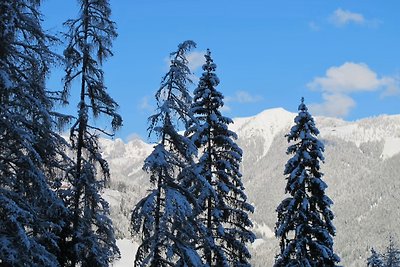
[342, 56]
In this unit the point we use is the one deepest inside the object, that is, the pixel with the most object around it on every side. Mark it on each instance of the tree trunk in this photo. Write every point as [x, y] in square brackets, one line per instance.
[81, 131]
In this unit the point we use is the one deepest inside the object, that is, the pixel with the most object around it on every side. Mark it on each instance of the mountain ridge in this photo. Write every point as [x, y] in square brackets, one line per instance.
[280, 118]
[361, 169]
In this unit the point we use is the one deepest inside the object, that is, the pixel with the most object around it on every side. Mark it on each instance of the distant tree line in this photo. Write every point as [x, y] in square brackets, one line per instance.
[390, 258]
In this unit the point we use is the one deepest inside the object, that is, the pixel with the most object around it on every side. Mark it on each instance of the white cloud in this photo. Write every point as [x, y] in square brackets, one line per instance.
[243, 97]
[225, 108]
[350, 77]
[314, 26]
[145, 105]
[339, 82]
[392, 86]
[342, 17]
[196, 60]
[334, 105]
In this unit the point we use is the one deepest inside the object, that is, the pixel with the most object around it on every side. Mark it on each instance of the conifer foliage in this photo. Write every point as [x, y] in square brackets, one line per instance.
[304, 225]
[223, 201]
[392, 255]
[164, 218]
[375, 260]
[90, 38]
[31, 214]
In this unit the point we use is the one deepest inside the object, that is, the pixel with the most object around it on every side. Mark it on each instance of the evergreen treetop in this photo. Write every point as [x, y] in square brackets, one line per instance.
[164, 218]
[223, 201]
[304, 223]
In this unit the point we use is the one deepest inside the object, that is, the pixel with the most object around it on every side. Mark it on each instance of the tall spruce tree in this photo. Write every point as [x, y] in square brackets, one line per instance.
[304, 224]
[224, 204]
[89, 38]
[31, 214]
[164, 218]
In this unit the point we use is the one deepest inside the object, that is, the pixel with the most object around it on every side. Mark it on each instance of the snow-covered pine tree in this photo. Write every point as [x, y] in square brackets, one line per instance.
[304, 224]
[31, 214]
[375, 260]
[392, 254]
[164, 218]
[90, 38]
[224, 205]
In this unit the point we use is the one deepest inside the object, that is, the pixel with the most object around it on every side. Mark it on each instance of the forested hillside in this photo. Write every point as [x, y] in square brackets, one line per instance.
[360, 169]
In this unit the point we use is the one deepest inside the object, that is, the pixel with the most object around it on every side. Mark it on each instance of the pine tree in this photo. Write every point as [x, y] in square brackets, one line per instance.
[31, 152]
[90, 38]
[164, 218]
[223, 202]
[392, 254]
[375, 260]
[304, 223]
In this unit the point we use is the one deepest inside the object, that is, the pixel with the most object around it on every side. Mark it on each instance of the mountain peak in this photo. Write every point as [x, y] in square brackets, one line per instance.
[274, 117]
[274, 111]
[264, 126]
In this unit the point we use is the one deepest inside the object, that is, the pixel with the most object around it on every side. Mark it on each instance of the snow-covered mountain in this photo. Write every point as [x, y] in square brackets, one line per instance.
[362, 170]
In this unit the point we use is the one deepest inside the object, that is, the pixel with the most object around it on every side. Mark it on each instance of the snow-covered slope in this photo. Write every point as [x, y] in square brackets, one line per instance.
[382, 128]
[267, 124]
[362, 171]
[263, 128]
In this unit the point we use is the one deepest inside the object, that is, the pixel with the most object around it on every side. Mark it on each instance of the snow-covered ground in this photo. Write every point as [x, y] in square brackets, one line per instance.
[391, 148]
[128, 251]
